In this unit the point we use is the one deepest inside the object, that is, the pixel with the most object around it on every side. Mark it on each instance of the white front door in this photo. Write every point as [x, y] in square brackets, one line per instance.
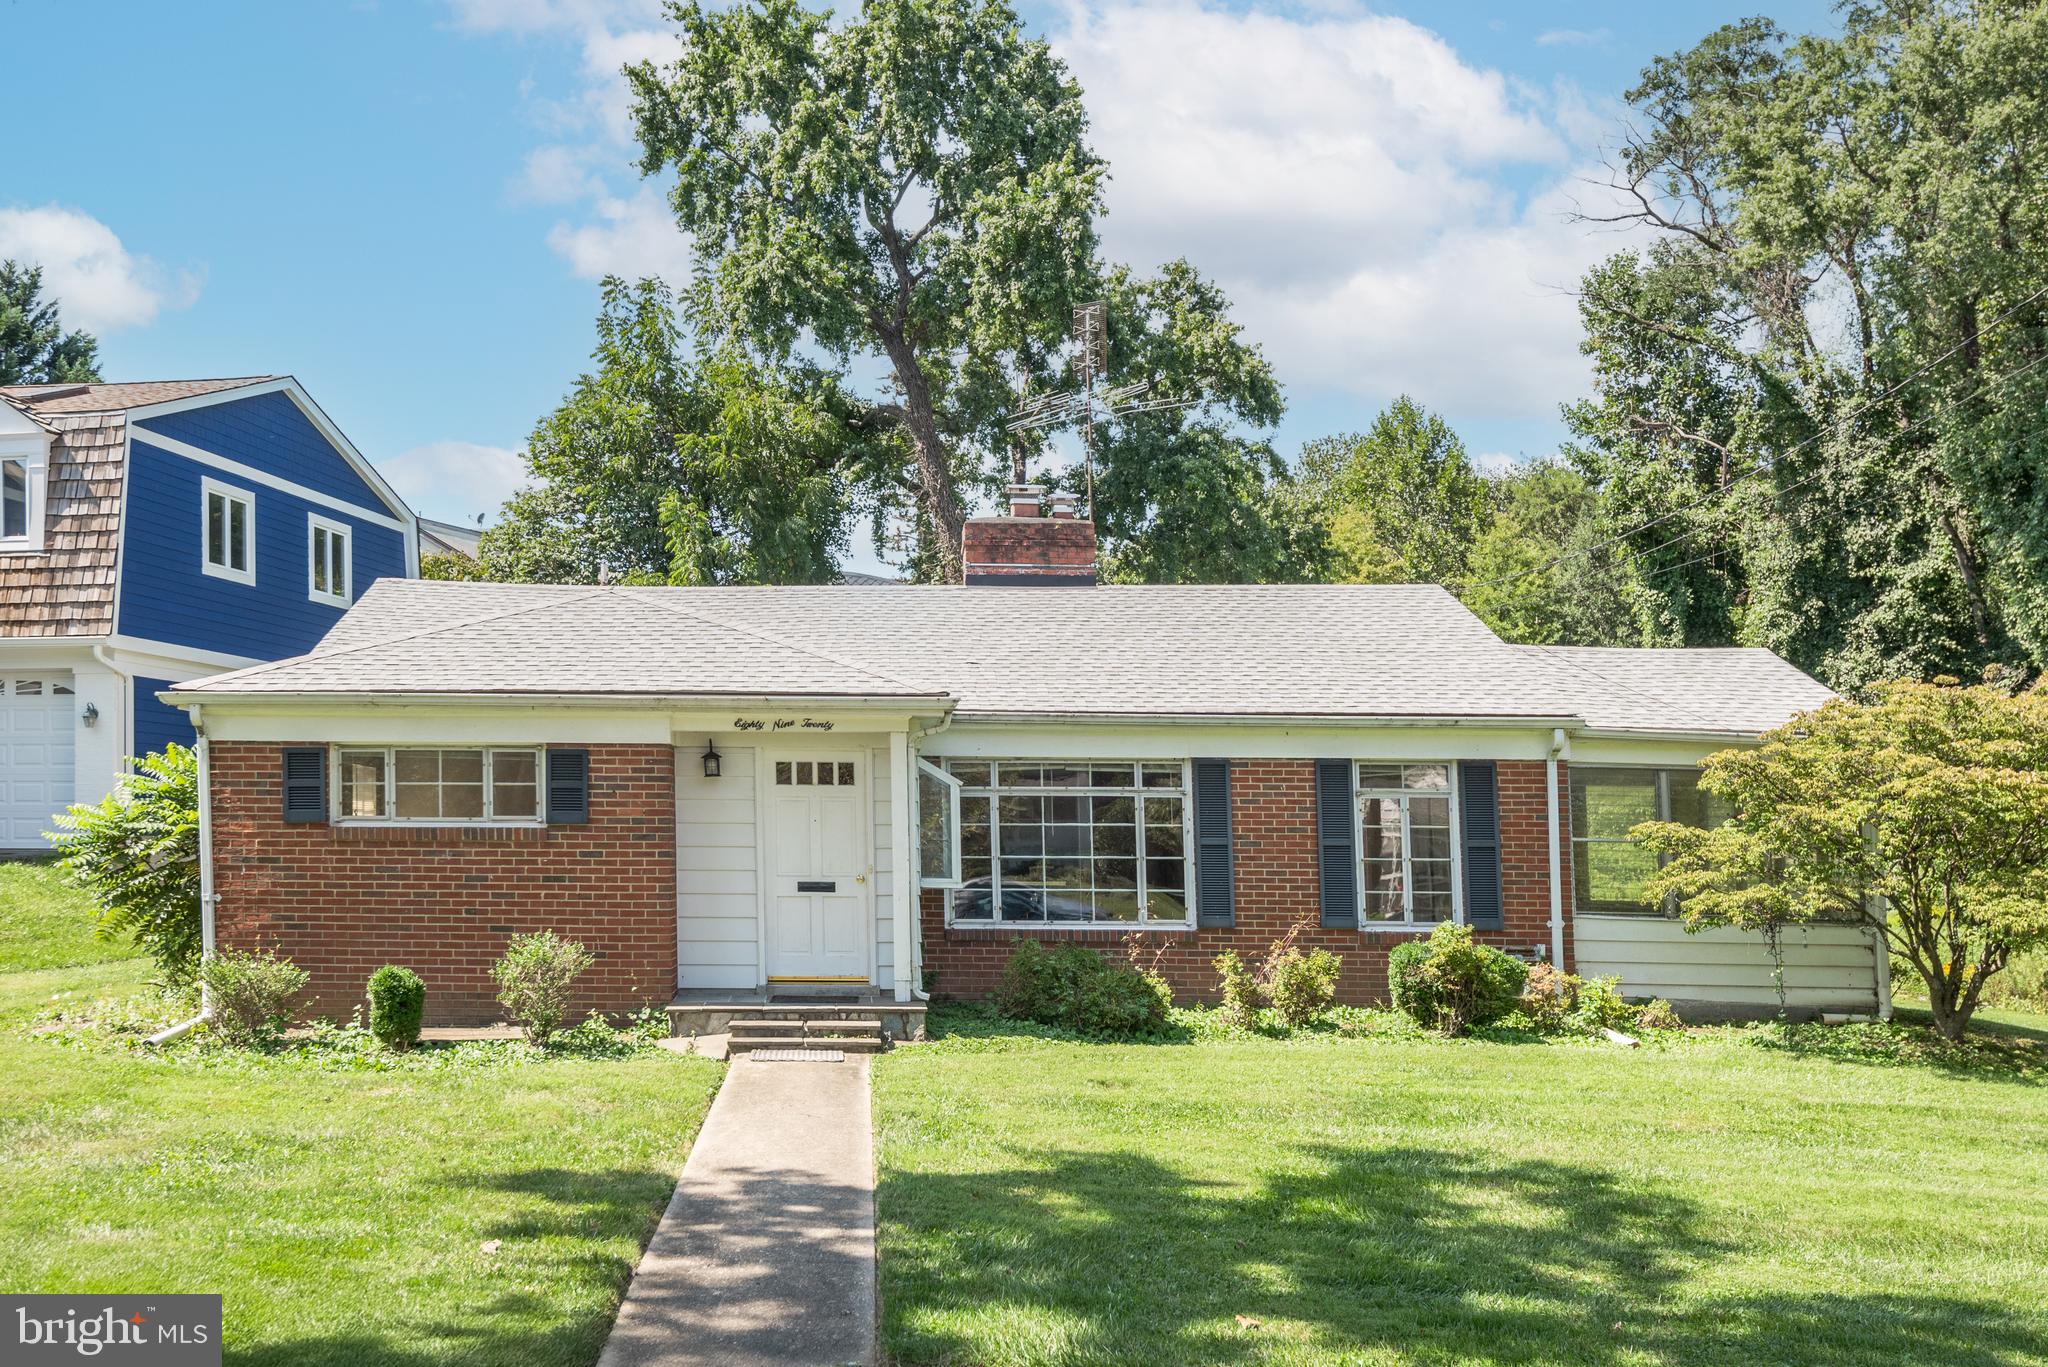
[817, 869]
[35, 755]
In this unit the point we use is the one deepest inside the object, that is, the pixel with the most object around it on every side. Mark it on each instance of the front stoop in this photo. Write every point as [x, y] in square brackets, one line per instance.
[870, 1023]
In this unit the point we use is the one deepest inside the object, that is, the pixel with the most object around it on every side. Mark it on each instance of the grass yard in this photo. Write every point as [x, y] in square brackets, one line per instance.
[343, 1215]
[1382, 1200]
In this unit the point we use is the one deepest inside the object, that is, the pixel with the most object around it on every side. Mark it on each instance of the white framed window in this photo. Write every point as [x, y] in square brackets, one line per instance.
[227, 531]
[438, 786]
[938, 827]
[1408, 856]
[22, 489]
[327, 557]
[1073, 843]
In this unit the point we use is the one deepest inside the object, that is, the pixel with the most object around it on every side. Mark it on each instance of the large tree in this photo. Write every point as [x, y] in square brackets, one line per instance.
[1818, 396]
[665, 465]
[1538, 574]
[34, 347]
[1403, 500]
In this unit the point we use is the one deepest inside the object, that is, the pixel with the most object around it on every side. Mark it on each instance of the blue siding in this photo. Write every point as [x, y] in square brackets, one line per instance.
[166, 597]
[270, 433]
[158, 725]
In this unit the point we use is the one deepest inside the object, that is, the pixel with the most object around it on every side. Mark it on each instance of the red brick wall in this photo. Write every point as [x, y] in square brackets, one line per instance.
[1273, 824]
[342, 901]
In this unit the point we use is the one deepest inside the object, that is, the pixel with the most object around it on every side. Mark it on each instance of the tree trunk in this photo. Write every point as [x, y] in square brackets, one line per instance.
[934, 464]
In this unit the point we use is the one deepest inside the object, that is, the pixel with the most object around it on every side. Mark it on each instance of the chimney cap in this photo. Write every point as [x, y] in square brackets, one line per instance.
[1065, 504]
[1025, 499]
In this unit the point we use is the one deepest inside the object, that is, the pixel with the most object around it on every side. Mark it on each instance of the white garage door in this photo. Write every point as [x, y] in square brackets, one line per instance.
[35, 755]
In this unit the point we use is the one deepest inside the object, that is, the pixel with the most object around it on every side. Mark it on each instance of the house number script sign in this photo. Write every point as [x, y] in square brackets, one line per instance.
[780, 724]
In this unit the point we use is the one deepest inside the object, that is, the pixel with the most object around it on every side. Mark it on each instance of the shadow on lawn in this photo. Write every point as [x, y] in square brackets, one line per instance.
[1402, 1252]
[553, 1239]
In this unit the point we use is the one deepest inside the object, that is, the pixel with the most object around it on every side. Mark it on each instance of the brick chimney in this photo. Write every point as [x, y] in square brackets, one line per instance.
[1027, 549]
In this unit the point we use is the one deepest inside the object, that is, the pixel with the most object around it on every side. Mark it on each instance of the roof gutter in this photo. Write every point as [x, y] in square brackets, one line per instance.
[1467, 720]
[191, 698]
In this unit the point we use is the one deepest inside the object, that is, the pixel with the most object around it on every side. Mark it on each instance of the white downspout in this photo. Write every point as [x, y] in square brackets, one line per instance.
[916, 983]
[1558, 746]
[202, 749]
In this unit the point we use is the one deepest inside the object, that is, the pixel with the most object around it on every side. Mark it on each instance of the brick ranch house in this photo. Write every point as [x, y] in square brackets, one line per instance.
[745, 793]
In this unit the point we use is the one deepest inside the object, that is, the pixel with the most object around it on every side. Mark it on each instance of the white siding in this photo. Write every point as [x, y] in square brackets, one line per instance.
[885, 887]
[717, 883]
[1827, 967]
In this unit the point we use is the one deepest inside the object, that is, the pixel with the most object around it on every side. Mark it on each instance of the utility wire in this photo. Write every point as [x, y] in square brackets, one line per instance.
[1762, 468]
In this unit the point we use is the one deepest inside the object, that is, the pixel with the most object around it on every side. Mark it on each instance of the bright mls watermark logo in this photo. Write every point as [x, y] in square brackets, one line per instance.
[161, 1331]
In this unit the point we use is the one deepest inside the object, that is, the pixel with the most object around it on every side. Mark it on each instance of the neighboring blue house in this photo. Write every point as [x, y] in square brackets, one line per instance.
[158, 532]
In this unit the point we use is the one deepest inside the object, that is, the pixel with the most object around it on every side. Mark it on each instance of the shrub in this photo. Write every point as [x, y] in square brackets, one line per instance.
[534, 979]
[1240, 1010]
[1656, 1014]
[1451, 982]
[1075, 987]
[1303, 984]
[249, 994]
[1548, 996]
[136, 854]
[398, 1001]
[1601, 1006]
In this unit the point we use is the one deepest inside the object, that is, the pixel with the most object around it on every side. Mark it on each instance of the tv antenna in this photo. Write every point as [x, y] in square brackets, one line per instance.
[1086, 403]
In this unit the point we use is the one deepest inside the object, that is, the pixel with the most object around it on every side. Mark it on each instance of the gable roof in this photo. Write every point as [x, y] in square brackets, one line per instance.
[1198, 651]
[38, 399]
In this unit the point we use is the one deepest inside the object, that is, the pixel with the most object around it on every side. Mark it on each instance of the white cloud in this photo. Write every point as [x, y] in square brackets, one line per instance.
[1572, 37]
[98, 284]
[1350, 180]
[557, 174]
[455, 480]
[632, 237]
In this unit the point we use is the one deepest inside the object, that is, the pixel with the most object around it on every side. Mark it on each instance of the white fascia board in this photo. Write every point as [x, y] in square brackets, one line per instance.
[1343, 721]
[143, 652]
[290, 387]
[255, 476]
[1650, 750]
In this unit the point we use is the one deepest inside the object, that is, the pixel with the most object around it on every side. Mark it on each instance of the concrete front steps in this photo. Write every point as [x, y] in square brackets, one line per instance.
[848, 1036]
[794, 1023]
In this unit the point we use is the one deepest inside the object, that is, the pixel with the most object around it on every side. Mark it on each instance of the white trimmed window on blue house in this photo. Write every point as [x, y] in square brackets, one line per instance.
[228, 531]
[327, 555]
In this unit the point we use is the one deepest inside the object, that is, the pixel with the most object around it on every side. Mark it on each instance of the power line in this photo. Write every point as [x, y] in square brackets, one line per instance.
[1762, 468]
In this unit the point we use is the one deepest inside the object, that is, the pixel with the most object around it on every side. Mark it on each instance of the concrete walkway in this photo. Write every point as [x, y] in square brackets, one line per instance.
[766, 1254]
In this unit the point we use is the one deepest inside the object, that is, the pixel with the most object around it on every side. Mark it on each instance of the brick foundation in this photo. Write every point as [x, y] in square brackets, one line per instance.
[342, 901]
[1273, 822]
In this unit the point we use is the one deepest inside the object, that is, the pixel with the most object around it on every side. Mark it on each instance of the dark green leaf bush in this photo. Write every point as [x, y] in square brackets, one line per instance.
[249, 996]
[398, 1002]
[1075, 987]
[1302, 984]
[1451, 982]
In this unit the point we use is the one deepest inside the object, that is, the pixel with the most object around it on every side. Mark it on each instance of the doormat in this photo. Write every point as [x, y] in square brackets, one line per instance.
[799, 1055]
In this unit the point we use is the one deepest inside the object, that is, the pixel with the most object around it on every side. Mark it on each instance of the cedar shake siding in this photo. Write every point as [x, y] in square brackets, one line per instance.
[341, 901]
[1274, 877]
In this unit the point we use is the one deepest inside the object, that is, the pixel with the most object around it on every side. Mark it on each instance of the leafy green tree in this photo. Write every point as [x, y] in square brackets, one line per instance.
[1403, 501]
[1818, 396]
[662, 466]
[34, 347]
[135, 852]
[911, 183]
[1922, 814]
[1536, 574]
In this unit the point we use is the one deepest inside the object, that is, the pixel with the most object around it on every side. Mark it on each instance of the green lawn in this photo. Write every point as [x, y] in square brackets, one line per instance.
[1383, 1200]
[342, 1215]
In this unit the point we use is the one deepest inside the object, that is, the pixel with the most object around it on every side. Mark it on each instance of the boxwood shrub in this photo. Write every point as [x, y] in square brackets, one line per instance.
[1075, 987]
[398, 1002]
[1451, 982]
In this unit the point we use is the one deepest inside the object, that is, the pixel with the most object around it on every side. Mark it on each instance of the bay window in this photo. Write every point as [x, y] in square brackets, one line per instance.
[1608, 872]
[1407, 842]
[452, 786]
[1071, 842]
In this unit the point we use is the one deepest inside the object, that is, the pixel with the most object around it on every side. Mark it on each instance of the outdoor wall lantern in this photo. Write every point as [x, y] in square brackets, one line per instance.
[711, 758]
[92, 714]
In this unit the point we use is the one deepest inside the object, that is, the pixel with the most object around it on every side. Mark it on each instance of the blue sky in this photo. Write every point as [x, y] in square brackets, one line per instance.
[407, 205]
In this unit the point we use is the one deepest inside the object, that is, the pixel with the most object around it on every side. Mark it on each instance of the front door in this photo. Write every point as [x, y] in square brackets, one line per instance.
[817, 870]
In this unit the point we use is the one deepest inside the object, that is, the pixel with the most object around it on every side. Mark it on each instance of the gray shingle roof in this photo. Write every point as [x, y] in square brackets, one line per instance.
[1699, 689]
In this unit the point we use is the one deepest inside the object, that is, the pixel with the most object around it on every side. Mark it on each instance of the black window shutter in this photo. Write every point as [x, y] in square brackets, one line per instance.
[1336, 858]
[1215, 900]
[568, 787]
[1479, 795]
[305, 784]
